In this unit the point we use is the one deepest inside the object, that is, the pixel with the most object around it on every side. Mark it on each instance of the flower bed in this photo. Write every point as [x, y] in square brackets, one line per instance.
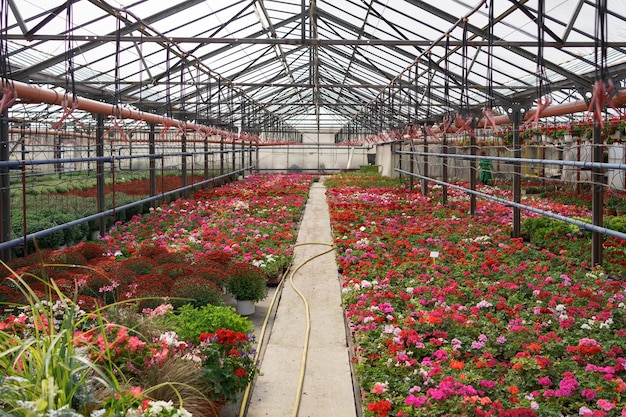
[254, 220]
[120, 360]
[453, 317]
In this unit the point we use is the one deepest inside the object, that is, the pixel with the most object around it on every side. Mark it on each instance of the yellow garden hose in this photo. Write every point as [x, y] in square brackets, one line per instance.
[245, 399]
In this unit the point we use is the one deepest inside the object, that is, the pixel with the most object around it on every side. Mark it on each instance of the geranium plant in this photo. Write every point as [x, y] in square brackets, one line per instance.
[228, 362]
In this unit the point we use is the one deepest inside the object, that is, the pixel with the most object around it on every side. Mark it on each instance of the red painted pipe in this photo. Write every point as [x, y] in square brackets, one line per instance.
[28, 93]
[560, 109]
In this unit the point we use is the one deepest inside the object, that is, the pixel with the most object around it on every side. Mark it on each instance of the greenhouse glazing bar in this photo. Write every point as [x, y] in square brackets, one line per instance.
[305, 42]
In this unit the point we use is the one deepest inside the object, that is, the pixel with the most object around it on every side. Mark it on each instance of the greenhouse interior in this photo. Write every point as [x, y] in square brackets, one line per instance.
[375, 208]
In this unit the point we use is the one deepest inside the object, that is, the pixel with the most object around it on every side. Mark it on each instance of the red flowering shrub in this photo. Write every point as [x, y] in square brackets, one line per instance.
[91, 250]
[151, 289]
[106, 263]
[172, 270]
[171, 258]
[221, 257]
[246, 282]
[139, 264]
[8, 292]
[150, 251]
[69, 256]
[33, 258]
[216, 275]
[195, 290]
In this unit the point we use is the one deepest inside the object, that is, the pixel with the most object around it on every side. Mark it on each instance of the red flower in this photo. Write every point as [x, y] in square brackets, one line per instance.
[241, 373]
[381, 407]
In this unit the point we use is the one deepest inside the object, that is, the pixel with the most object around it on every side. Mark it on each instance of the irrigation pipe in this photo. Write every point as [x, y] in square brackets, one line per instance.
[246, 395]
[305, 348]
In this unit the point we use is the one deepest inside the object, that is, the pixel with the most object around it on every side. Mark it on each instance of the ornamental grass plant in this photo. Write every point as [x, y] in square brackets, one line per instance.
[58, 360]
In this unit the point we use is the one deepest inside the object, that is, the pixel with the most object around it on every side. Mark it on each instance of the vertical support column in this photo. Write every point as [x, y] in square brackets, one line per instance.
[412, 148]
[243, 155]
[100, 200]
[516, 117]
[206, 158]
[472, 168]
[221, 159]
[444, 170]
[5, 184]
[425, 166]
[397, 144]
[597, 178]
[234, 155]
[183, 160]
[152, 162]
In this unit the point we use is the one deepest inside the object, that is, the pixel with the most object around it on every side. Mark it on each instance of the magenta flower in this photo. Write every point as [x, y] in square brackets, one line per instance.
[415, 401]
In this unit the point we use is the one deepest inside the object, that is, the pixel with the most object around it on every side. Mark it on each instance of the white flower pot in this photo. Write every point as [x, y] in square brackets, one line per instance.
[245, 307]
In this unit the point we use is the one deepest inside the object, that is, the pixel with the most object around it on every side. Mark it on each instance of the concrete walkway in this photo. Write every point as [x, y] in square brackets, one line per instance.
[328, 386]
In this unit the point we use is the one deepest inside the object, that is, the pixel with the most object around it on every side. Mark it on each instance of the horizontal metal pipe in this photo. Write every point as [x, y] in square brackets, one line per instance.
[19, 241]
[506, 160]
[307, 42]
[36, 94]
[558, 109]
[545, 213]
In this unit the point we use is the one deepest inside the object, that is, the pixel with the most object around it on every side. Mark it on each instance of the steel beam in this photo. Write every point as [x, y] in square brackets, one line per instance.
[307, 42]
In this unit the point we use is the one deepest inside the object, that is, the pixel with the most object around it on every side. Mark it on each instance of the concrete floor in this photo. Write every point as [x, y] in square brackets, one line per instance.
[327, 389]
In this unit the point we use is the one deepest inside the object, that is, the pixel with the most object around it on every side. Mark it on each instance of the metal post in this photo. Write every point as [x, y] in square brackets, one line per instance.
[597, 175]
[5, 184]
[234, 156]
[183, 159]
[444, 170]
[472, 168]
[412, 147]
[425, 170]
[206, 158]
[152, 166]
[243, 156]
[517, 172]
[221, 158]
[100, 197]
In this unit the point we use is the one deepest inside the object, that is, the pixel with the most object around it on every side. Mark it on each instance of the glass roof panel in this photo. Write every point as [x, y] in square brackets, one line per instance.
[293, 59]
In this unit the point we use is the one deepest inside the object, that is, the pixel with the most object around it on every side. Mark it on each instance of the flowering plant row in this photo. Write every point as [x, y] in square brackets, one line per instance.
[185, 252]
[451, 316]
[254, 220]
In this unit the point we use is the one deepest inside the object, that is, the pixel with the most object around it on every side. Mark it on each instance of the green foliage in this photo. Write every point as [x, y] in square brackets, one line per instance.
[617, 223]
[189, 321]
[41, 369]
[538, 229]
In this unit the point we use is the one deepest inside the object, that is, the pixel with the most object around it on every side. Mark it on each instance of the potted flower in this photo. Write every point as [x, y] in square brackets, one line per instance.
[563, 135]
[228, 363]
[247, 283]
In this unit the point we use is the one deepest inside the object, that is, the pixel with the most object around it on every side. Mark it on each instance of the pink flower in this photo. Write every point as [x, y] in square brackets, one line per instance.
[415, 401]
[135, 344]
[605, 405]
[379, 388]
[544, 381]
